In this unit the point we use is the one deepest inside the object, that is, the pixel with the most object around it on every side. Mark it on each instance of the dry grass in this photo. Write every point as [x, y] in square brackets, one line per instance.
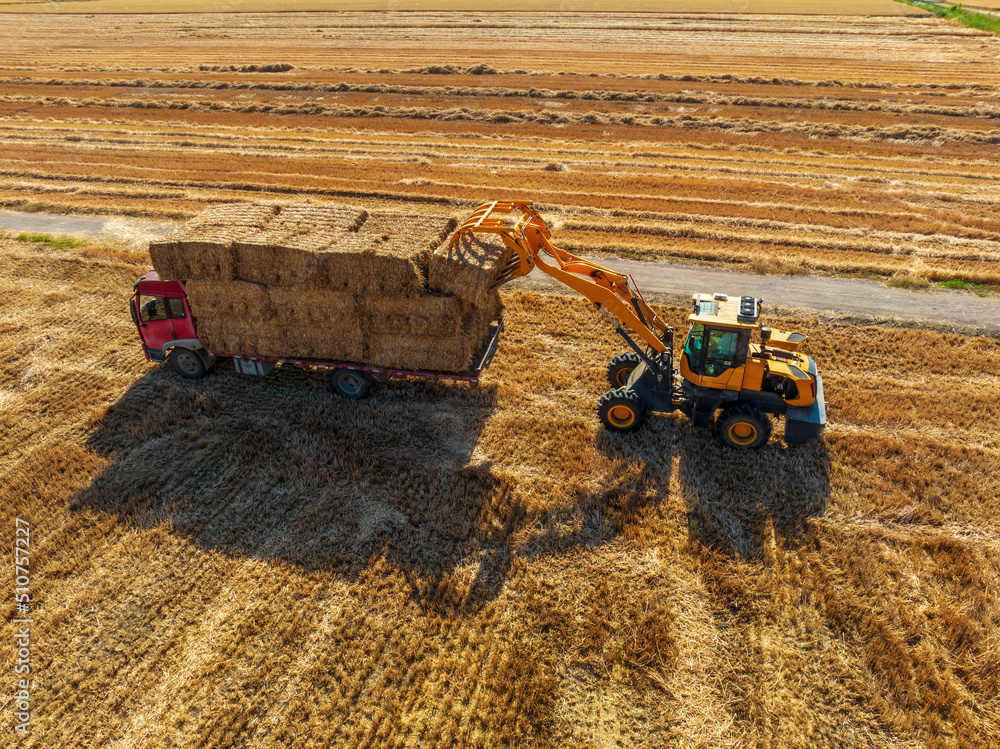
[258, 563]
[836, 145]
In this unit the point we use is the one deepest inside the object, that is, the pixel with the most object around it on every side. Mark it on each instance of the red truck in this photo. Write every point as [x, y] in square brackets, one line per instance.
[169, 332]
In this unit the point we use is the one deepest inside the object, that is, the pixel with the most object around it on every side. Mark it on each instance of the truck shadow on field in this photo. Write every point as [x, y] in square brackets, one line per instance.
[281, 469]
[733, 501]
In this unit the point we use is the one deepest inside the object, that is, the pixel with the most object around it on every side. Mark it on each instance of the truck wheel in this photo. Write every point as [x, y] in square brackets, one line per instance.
[743, 427]
[621, 367]
[621, 410]
[350, 383]
[187, 363]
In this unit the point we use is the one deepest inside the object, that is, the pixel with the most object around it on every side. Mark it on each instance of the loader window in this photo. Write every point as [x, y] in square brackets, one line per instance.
[692, 349]
[711, 352]
[721, 351]
[153, 308]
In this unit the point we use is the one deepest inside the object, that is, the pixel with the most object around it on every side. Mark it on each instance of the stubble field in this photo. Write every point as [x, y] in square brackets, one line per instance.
[242, 562]
[827, 144]
[234, 562]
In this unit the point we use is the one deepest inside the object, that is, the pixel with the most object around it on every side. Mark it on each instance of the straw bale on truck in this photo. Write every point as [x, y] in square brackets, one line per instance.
[468, 267]
[337, 283]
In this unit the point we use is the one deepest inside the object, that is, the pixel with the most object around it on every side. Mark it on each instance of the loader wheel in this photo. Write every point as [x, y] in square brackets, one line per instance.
[621, 367]
[187, 363]
[350, 383]
[621, 410]
[743, 427]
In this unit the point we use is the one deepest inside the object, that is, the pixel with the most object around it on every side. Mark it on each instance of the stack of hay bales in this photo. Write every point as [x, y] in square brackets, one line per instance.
[337, 283]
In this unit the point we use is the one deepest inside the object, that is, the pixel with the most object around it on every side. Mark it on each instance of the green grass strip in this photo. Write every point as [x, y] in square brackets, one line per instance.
[59, 244]
[972, 19]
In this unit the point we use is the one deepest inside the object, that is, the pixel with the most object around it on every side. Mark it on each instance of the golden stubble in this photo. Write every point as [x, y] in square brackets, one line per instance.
[237, 561]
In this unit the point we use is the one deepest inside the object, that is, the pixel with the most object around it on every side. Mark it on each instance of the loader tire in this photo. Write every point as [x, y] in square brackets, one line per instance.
[621, 367]
[621, 410]
[188, 363]
[743, 427]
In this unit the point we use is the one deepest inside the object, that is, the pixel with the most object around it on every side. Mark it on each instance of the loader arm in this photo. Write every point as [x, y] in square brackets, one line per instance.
[521, 228]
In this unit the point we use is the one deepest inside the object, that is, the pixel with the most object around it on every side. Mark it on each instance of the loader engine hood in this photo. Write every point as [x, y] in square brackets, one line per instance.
[785, 340]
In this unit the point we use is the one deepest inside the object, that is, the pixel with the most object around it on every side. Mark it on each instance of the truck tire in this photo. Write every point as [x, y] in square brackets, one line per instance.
[621, 367]
[621, 410]
[188, 363]
[744, 427]
[350, 383]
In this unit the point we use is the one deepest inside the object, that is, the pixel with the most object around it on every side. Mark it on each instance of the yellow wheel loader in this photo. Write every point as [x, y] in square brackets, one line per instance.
[731, 373]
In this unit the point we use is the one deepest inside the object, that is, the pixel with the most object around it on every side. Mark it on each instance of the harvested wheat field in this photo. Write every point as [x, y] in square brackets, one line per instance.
[243, 562]
[848, 145]
[256, 562]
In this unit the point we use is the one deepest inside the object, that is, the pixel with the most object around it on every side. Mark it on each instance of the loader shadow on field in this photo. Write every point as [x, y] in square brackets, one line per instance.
[282, 470]
[734, 500]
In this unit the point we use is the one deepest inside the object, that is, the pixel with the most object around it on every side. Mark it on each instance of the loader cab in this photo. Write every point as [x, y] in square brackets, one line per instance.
[716, 347]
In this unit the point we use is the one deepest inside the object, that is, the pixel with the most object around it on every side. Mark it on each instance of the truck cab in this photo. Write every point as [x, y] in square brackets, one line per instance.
[166, 326]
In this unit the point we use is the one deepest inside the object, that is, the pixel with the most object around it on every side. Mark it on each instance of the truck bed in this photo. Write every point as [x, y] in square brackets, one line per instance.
[480, 362]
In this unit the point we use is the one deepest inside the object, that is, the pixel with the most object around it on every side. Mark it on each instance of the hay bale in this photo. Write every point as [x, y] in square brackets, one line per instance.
[223, 334]
[368, 272]
[232, 298]
[336, 283]
[469, 267]
[324, 246]
[310, 216]
[297, 305]
[388, 256]
[426, 345]
[434, 353]
[227, 335]
[286, 251]
[271, 257]
[332, 342]
[478, 318]
[204, 253]
[424, 315]
[235, 214]
[341, 248]
[399, 234]
[238, 332]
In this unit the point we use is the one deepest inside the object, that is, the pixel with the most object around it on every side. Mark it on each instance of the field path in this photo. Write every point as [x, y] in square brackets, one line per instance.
[842, 296]
[136, 232]
[838, 295]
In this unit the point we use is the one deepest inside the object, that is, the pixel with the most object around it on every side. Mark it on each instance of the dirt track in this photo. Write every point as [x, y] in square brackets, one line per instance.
[840, 296]
[866, 299]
